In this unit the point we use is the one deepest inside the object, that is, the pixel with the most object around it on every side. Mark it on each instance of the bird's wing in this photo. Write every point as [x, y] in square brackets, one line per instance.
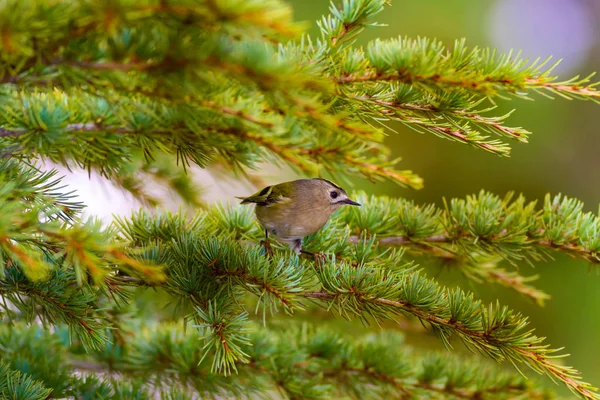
[265, 198]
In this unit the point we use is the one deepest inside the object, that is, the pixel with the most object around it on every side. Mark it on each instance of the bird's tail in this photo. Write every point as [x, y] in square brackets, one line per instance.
[259, 197]
[246, 200]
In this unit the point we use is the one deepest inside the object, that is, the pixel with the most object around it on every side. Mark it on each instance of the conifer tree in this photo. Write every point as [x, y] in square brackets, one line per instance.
[142, 90]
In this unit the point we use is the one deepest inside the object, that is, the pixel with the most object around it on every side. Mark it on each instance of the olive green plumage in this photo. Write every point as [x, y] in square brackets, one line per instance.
[292, 210]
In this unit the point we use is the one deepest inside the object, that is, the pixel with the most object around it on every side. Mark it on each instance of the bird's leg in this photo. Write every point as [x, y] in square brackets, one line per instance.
[318, 257]
[267, 245]
[296, 246]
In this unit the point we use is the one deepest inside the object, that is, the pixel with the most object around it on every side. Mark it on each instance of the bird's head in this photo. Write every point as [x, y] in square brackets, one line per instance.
[332, 193]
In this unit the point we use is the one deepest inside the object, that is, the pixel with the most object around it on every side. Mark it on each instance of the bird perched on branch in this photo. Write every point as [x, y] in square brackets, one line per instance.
[292, 210]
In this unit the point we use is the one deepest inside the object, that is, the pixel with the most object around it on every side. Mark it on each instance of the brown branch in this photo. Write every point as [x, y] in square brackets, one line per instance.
[353, 129]
[477, 273]
[487, 84]
[463, 114]
[378, 170]
[516, 283]
[571, 248]
[536, 358]
[335, 40]
[553, 369]
[63, 307]
[445, 130]
[481, 83]
[255, 281]
[346, 28]
[208, 104]
[218, 329]
[477, 393]
[288, 154]
[453, 132]
[462, 393]
[236, 113]
[575, 89]
[405, 240]
[294, 154]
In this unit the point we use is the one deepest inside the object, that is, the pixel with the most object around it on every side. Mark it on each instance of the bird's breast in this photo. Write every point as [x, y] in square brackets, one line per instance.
[291, 222]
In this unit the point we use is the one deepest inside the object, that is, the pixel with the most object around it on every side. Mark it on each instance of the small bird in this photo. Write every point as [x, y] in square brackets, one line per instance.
[292, 210]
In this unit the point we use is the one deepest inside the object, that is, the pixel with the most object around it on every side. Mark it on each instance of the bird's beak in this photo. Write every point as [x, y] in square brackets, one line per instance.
[350, 202]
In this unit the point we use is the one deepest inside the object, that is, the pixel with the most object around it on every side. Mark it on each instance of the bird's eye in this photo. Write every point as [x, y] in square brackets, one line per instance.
[334, 195]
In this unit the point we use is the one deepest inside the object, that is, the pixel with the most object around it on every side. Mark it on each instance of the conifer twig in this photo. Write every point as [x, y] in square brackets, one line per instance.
[535, 355]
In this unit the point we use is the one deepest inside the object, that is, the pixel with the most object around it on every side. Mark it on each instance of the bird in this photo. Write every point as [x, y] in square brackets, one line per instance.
[292, 210]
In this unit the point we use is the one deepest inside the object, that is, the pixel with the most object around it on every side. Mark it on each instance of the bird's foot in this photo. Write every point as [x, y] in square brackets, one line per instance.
[267, 246]
[319, 258]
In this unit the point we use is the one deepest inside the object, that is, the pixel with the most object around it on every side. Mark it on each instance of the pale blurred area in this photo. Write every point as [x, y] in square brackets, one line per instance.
[563, 154]
[104, 200]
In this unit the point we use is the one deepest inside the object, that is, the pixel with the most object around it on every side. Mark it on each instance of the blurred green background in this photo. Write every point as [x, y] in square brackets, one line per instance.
[562, 156]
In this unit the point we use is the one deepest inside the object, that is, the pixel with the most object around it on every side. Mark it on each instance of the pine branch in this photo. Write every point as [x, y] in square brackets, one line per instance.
[275, 81]
[446, 114]
[216, 260]
[228, 56]
[359, 290]
[58, 300]
[488, 272]
[475, 233]
[45, 357]
[253, 65]
[40, 228]
[330, 156]
[40, 188]
[334, 365]
[78, 245]
[315, 147]
[387, 73]
[15, 384]
[496, 332]
[461, 133]
[485, 223]
[65, 22]
[480, 269]
[477, 70]
[183, 133]
[363, 285]
[346, 22]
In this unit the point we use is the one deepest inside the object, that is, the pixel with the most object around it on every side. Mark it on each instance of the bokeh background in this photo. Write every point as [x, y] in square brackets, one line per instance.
[563, 155]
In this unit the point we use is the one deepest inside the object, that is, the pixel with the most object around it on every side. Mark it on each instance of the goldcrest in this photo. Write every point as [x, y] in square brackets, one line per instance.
[292, 210]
